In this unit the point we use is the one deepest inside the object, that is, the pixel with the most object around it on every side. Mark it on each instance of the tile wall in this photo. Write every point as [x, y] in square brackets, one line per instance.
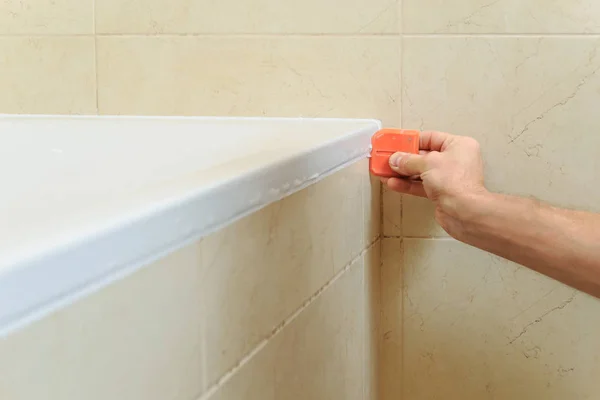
[522, 76]
[519, 75]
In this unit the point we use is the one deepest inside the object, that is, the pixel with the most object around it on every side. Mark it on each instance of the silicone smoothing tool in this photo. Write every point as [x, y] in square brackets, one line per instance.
[386, 142]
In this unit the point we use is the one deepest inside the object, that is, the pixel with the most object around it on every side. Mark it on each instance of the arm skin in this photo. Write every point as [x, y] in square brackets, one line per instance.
[562, 244]
[559, 243]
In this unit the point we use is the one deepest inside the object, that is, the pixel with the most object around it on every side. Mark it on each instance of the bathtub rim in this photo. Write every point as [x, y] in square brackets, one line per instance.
[50, 279]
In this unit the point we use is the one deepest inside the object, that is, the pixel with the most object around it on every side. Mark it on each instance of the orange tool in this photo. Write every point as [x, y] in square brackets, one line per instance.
[386, 142]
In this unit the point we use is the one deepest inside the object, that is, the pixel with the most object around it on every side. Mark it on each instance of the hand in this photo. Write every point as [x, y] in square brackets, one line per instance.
[448, 171]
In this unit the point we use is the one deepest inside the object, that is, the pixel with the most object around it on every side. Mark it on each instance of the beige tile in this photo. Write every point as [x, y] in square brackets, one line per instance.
[47, 75]
[262, 268]
[391, 368]
[318, 355]
[392, 213]
[285, 76]
[344, 200]
[418, 218]
[535, 117]
[501, 16]
[136, 339]
[372, 321]
[478, 327]
[233, 16]
[46, 17]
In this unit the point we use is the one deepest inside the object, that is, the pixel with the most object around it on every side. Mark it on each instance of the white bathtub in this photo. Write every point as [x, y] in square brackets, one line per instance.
[87, 200]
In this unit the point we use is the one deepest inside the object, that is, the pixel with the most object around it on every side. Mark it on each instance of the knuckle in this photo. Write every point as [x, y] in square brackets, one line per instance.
[472, 143]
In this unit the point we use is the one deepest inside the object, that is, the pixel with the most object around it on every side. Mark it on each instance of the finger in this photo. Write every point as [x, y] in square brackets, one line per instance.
[407, 164]
[406, 186]
[433, 140]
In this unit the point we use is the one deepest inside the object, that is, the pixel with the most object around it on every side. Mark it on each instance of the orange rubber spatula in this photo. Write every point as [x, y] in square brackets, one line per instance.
[386, 142]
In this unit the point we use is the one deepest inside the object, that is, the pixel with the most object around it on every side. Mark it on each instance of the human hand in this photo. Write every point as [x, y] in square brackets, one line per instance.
[448, 171]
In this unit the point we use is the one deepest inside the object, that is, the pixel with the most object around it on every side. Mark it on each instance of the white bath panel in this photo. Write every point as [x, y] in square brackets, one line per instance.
[87, 200]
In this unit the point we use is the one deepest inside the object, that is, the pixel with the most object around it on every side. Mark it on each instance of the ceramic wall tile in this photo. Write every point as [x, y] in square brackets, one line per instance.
[52, 75]
[47, 17]
[351, 217]
[318, 355]
[418, 218]
[479, 327]
[262, 268]
[535, 118]
[501, 16]
[138, 338]
[234, 16]
[268, 76]
[390, 366]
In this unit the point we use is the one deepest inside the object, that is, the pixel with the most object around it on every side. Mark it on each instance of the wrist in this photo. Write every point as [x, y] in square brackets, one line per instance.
[466, 211]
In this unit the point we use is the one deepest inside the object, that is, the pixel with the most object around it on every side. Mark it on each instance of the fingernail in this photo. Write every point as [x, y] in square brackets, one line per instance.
[395, 158]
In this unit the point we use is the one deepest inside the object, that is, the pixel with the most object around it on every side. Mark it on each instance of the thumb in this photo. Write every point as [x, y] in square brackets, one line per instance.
[407, 164]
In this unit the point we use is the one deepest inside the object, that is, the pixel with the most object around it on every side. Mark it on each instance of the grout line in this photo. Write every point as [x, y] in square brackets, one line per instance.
[309, 35]
[96, 75]
[95, 55]
[43, 35]
[402, 319]
[381, 210]
[419, 237]
[500, 35]
[401, 89]
[263, 343]
[253, 35]
[430, 238]
[401, 261]
[400, 14]
[300, 34]
[94, 17]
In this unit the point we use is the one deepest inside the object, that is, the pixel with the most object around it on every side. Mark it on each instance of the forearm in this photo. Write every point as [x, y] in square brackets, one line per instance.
[562, 244]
